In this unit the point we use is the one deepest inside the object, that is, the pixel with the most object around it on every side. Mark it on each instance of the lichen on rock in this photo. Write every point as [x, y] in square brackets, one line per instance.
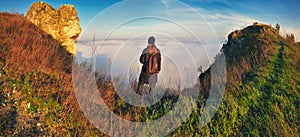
[62, 24]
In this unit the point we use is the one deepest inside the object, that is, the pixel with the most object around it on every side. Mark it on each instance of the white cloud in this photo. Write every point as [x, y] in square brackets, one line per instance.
[165, 2]
[223, 24]
[201, 19]
[289, 30]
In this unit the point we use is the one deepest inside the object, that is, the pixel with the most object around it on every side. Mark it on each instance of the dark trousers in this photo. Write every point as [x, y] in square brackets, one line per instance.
[146, 78]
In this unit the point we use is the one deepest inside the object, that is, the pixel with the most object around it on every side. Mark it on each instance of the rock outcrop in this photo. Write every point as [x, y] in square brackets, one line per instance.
[62, 24]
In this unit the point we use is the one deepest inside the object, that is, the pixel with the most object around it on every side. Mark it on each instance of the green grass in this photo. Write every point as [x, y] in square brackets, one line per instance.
[265, 105]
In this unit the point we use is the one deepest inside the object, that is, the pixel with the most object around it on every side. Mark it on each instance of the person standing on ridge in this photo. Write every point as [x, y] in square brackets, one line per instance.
[151, 60]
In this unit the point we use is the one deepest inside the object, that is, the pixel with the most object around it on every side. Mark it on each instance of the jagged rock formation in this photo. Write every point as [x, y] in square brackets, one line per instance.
[62, 24]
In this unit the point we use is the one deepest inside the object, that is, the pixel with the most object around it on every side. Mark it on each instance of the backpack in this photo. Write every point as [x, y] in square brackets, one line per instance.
[152, 64]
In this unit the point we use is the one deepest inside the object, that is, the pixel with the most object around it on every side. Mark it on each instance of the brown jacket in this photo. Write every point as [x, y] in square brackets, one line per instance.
[146, 55]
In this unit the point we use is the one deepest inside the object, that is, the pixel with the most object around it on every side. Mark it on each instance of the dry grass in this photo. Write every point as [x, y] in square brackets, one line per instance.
[41, 70]
[28, 47]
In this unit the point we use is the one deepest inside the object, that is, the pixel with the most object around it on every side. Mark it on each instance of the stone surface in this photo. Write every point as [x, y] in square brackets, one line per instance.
[62, 24]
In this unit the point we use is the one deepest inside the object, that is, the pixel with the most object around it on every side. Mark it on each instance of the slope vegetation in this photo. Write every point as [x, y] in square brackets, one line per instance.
[36, 95]
[262, 93]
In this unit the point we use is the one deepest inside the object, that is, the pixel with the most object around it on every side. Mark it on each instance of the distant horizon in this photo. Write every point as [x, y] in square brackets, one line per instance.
[145, 39]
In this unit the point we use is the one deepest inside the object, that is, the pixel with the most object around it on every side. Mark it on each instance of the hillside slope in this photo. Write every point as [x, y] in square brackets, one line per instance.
[262, 93]
[36, 93]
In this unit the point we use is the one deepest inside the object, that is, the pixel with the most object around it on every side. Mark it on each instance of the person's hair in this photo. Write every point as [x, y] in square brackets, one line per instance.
[151, 40]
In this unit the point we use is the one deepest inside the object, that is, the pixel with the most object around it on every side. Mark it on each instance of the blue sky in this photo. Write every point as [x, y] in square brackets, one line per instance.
[222, 16]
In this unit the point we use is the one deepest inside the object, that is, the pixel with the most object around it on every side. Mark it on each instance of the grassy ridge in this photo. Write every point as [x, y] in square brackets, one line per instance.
[265, 102]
